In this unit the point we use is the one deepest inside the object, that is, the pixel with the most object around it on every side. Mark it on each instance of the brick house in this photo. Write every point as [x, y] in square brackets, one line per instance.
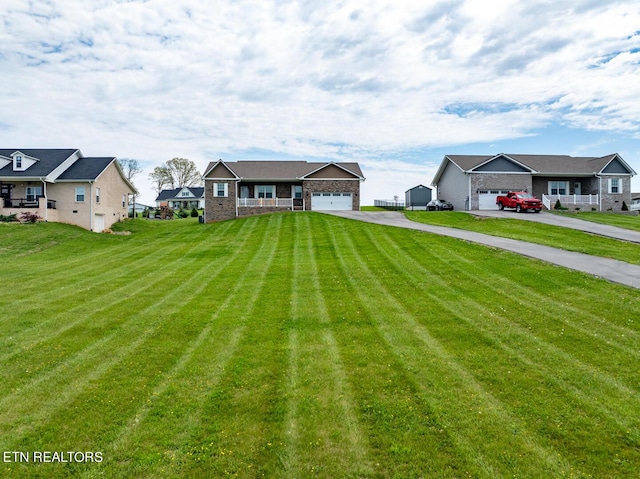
[246, 188]
[64, 186]
[472, 182]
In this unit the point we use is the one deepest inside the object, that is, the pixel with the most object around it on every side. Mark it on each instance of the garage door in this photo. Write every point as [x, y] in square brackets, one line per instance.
[98, 224]
[331, 201]
[487, 198]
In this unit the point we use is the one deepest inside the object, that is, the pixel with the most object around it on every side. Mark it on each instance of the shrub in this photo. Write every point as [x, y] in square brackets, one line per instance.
[194, 213]
[28, 217]
[8, 218]
[182, 213]
[558, 206]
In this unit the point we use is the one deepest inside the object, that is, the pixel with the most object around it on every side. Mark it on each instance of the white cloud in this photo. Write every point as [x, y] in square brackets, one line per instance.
[367, 80]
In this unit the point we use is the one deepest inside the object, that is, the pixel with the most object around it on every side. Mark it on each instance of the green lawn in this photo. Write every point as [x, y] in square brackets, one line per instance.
[621, 221]
[306, 345]
[556, 236]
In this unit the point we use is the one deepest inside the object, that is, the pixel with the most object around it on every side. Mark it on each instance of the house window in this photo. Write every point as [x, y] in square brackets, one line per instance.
[558, 187]
[297, 191]
[184, 193]
[615, 185]
[79, 194]
[124, 201]
[18, 162]
[220, 190]
[265, 191]
[33, 192]
[97, 195]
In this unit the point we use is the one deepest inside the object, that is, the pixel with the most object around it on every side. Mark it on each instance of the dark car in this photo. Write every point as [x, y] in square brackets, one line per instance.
[439, 205]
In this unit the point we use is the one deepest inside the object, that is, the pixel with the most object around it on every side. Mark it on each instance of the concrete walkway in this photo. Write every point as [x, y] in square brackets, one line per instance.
[610, 269]
[566, 221]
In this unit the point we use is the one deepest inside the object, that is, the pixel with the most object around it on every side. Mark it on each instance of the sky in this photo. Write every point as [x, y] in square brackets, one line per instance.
[393, 84]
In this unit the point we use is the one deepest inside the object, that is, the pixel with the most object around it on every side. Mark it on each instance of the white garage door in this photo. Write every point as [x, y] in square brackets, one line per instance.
[487, 198]
[331, 201]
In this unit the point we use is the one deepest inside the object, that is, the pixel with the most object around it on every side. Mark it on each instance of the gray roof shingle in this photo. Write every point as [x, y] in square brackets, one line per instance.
[540, 163]
[86, 169]
[48, 160]
[280, 170]
[197, 192]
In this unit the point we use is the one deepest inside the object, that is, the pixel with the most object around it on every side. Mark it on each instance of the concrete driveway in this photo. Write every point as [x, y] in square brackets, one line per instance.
[610, 269]
[566, 221]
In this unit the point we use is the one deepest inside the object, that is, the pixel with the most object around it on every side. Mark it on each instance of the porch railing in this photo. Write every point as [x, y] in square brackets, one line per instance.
[549, 201]
[27, 203]
[265, 202]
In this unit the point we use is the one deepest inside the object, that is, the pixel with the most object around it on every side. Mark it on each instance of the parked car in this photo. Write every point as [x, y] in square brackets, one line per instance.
[520, 200]
[439, 205]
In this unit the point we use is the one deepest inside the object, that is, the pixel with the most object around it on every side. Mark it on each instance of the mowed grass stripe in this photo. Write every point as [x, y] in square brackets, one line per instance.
[62, 260]
[91, 282]
[405, 437]
[577, 384]
[542, 296]
[46, 388]
[547, 309]
[106, 299]
[317, 382]
[463, 414]
[190, 374]
[239, 430]
[30, 359]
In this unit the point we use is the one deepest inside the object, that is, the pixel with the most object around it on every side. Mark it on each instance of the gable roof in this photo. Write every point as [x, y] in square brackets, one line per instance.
[48, 161]
[280, 170]
[86, 169]
[417, 187]
[196, 191]
[539, 164]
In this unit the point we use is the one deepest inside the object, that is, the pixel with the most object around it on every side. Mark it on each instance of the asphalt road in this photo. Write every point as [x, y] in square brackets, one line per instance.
[610, 269]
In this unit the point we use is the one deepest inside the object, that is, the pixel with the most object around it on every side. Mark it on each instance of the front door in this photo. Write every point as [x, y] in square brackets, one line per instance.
[577, 188]
[5, 194]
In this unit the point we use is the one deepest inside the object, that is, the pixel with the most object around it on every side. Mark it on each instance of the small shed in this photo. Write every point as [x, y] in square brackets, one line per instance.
[417, 198]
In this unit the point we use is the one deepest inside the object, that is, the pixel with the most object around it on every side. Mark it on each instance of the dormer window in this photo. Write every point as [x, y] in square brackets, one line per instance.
[22, 162]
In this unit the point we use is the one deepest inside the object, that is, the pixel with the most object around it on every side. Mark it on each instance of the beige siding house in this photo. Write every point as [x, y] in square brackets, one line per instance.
[62, 185]
[246, 188]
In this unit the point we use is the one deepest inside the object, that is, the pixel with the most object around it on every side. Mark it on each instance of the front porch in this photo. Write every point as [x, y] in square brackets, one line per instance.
[41, 206]
[571, 201]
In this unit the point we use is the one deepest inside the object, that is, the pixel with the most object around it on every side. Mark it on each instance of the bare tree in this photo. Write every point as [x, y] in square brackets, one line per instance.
[130, 168]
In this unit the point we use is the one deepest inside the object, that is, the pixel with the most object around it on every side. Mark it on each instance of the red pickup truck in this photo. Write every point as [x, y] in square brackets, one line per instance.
[520, 200]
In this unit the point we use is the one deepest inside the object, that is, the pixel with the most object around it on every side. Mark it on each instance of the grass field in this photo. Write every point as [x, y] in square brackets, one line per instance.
[549, 235]
[306, 345]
